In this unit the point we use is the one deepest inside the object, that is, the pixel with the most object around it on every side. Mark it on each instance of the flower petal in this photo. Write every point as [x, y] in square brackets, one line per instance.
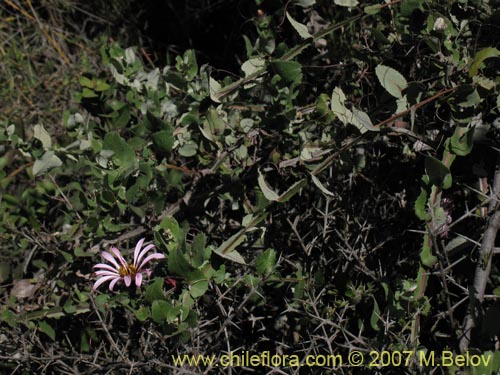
[118, 254]
[142, 253]
[138, 249]
[106, 273]
[138, 279]
[110, 259]
[150, 258]
[106, 267]
[103, 280]
[113, 283]
[128, 280]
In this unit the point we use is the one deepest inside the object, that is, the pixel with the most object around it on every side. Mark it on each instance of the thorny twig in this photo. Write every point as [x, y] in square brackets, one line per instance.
[483, 266]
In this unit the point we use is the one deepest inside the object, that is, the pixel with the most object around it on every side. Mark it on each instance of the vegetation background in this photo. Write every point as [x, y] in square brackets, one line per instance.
[322, 176]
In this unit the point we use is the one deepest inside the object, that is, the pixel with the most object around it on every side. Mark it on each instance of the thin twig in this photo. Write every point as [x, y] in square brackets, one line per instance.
[483, 266]
[294, 229]
[108, 335]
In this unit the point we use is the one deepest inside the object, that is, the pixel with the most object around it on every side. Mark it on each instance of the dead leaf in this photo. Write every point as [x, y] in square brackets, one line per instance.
[24, 289]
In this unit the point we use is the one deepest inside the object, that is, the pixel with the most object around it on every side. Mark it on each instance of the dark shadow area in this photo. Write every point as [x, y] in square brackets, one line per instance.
[214, 29]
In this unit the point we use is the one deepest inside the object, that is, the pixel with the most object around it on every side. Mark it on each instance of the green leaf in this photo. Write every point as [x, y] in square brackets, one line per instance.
[472, 100]
[88, 93]
[156, 122]
[265, 263]
[300, 28]
[164, 140]
[198, 284]
[321, 187]
[305, 3]
[484, 82]
[48, 161]
[47, 329]
[123, 155]
[479, 58]
[142, 313]
[272, 196]
[372, 9]
[290, 71]
[101, 301]
[42, 135]
[292, 190]
[141, 184]
[192, 65]
[489, 365]
[268, 192]
[439, 218]
[213, 126]
[198, 248]
[461, 141]
[84, 343]
[248, 46]
[188, 149]
[101, 85]
[86, 82]
[177, 263]
[375, 317]
[456, 243]
[347, 3]
[362, 121]
[357, 118]
[408, 6]
[421, 206]
[170, 229]
[8, 317]
[426, 256]
[227, 248]
[252, 65]
[338, 106]
[391, 80]
[219, 275]
[154, 291]
[214, 88]
[436, 171]
[323, 110]
[160, 311]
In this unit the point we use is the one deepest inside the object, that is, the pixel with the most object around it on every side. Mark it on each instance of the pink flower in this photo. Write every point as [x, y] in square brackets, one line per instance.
[122, 270]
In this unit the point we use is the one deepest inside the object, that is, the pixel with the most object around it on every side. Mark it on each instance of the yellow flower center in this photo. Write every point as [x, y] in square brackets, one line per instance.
[127, 271]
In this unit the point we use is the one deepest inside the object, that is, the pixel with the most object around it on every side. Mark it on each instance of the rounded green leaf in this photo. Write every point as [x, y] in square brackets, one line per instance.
[164, 140]
[142, 313]
[436, 171]
[482, 55]
[160, 310]
[268, 192]
[300, 28]
[123, 155]
[338, 106]
[347, 3]
[290, 71]
[391, 80]
[48, 161]
[461, 142]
